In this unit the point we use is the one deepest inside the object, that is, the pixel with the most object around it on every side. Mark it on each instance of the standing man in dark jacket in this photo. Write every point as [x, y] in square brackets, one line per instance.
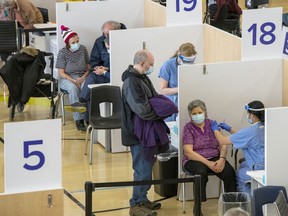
[136, 90]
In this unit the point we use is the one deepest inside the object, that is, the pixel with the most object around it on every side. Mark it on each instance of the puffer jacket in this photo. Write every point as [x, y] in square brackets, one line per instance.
[21, 74]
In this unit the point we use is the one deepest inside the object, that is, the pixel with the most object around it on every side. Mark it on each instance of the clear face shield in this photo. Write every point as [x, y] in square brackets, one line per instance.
[247, 115]
[187, 60]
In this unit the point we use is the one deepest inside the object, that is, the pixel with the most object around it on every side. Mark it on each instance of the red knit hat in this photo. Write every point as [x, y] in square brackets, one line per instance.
[67, 33]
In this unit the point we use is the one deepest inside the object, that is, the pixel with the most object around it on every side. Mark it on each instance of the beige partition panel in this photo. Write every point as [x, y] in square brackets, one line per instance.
[220, 46]
[39, 203]
[285, 82]
[154, 14]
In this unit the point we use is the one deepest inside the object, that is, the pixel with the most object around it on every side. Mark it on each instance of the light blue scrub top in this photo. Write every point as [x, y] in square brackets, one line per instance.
[251, 141]
[169, 72]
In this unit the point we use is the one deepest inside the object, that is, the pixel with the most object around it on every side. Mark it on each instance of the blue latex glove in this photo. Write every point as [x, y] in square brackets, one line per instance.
[215, 126]
[225, 126]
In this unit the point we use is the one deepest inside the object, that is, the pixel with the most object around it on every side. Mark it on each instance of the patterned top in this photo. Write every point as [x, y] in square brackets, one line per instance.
[74, 63]
[204, 143]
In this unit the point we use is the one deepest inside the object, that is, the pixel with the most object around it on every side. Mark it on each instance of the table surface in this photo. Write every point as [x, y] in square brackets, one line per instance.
[257, 175]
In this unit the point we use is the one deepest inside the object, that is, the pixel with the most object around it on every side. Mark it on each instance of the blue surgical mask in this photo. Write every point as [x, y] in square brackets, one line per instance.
[198, 118]
[149, 71]
[249, 119]
[74, 47]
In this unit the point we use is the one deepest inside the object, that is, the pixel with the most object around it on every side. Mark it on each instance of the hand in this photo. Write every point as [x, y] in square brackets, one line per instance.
[219, 165]
[225, 126]
[215, 126]
[100, 70]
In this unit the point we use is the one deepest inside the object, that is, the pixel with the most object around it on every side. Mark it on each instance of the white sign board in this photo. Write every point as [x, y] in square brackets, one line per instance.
[32, 156]
[285, 42]
[276, 139]
[183, 12]
[261, 33]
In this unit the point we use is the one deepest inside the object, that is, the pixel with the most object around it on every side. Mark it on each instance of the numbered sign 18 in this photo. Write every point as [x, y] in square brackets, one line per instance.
[32, 156]
[261, 33]
[183, 12]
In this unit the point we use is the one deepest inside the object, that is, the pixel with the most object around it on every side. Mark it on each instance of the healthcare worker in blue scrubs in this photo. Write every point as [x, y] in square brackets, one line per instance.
[168, 74]
[250, 140]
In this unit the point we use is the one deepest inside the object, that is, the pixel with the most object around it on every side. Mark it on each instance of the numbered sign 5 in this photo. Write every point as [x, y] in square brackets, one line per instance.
[261, 33]
[32, 161]
[183, 12]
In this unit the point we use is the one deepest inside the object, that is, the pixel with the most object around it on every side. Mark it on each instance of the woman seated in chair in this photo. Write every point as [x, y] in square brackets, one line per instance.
[73, 68]
[250, 140]
[202, 152]
[23, 11]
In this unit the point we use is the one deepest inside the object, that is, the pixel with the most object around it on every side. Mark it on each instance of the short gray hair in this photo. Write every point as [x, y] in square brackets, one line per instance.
[140, 56]
[197, 103]
[115, 25]
[236, 212]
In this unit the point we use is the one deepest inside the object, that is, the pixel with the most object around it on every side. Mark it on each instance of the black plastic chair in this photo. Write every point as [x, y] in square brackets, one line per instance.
[226, 21]
[111, 96]
[265, 195]
[8, 39]
[281, 204]
[45, 14]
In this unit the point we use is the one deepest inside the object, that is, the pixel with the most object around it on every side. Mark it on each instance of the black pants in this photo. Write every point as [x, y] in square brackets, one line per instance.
[227, 175]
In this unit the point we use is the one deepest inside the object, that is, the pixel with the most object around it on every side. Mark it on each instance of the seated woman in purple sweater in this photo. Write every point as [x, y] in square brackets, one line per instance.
[202, 152]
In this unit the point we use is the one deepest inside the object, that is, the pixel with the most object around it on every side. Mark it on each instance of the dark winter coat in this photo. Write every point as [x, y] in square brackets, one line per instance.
[22, 72]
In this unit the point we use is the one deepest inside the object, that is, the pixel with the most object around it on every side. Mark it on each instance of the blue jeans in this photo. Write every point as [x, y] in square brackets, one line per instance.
[92, 78]
[73, 94]
[142, 171]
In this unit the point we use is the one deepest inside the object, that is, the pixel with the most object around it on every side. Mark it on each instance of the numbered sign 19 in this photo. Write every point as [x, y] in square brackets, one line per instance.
[261, 33]
[32, 156]
[183, 12]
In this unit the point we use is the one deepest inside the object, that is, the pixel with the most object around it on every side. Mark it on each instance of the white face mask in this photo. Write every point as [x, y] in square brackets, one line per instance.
[149, 71]
[198, 118]
[74, 47]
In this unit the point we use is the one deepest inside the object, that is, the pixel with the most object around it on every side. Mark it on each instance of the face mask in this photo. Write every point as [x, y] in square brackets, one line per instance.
[249, 119]
[74, 47]
[150, 71]
[198, 118]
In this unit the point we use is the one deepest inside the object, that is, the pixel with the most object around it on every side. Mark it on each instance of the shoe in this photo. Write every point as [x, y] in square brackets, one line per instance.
[152, 205]
[78, 104]
[71, 108]
[141, 210]
[20, 107]
[80, 125]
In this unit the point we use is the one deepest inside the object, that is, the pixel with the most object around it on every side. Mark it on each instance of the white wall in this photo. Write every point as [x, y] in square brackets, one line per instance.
[163, 42]
[86, 18]
[276, 139]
